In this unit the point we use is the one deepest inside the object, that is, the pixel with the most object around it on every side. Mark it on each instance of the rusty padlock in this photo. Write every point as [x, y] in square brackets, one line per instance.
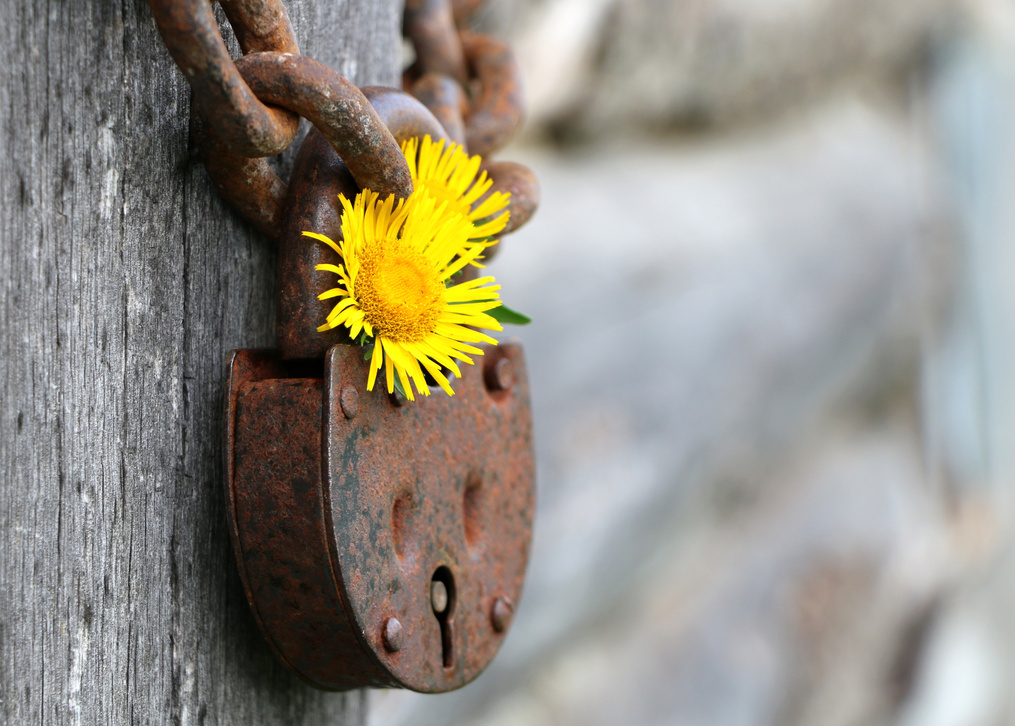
[380, 543]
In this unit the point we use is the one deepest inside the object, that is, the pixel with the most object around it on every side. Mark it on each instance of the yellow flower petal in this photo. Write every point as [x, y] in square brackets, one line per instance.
[446, 173]
[395, 260]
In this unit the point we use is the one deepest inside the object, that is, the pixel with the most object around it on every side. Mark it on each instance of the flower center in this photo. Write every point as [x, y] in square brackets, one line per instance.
[399, 291]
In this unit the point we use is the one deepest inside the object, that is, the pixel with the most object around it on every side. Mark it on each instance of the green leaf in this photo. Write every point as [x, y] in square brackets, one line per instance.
[398, 384]
[503, 314]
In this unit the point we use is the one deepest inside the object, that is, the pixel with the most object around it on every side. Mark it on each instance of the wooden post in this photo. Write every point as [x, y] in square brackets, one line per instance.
[126, 282]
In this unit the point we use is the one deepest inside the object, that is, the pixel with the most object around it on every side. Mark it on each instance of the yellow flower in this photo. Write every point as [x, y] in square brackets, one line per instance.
[449, 175]
[397, 260]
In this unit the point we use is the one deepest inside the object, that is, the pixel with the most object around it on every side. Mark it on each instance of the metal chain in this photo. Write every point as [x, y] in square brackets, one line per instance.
[472, 84]
[492, 113]
[469, 82]
[189, 29]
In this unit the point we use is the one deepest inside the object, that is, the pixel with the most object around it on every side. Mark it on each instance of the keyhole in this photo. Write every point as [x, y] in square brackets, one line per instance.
[442, 599]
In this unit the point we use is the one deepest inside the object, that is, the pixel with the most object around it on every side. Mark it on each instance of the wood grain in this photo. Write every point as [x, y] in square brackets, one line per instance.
[126, 282]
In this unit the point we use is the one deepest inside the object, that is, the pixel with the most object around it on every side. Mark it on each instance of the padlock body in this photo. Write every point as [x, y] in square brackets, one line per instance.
[346, 507]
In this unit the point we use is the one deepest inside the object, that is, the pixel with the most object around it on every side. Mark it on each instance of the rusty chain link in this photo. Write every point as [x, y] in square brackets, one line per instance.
[248, 109]
[242, 123]
[472, 84]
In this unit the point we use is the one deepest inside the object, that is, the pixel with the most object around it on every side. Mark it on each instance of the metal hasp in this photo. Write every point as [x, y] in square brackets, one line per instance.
[380, 543]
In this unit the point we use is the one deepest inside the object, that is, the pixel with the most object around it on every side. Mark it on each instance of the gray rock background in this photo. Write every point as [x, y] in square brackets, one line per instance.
[601, 66]
[772, 365]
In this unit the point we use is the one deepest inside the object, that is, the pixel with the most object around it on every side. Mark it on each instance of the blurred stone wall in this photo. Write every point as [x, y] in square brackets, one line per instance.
[598, 66]
[772, 365]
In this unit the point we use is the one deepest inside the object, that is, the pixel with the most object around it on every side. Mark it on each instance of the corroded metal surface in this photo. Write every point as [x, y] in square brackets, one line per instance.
[497, 111]
[319, 176]
[338, 109]
[342, 524]
[519, 181]
[405, 116]
[464, 9]
[245, 125]
[341, 112]
[446, 101]
[494, 109]
[260, 25]
[430, 25]
[279, 535]
[249, 184]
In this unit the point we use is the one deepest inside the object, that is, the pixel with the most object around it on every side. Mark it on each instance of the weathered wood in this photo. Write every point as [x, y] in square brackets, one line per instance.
[126, 282]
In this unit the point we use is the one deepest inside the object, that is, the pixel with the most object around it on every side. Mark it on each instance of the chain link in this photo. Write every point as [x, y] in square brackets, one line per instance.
[467, 85]
[243, 124]
[472, 84]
